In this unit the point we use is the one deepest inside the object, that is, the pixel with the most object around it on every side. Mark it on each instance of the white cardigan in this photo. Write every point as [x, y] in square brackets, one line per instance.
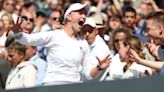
[24, 75]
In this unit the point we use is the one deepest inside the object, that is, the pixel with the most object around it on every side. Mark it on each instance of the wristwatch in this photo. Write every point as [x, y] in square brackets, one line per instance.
[99, 68]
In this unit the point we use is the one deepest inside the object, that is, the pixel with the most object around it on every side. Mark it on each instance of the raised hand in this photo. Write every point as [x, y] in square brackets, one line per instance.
[133, 56]
[153, 48]
[17, 26]
[104, 63]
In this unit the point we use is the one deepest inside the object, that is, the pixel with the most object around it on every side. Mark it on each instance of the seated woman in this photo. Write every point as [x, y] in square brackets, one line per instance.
[131, 68]
[120, 62]
[116, 67]
[23, 73]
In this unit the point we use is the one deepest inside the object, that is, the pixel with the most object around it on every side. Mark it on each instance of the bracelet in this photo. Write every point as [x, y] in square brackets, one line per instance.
[98, 68]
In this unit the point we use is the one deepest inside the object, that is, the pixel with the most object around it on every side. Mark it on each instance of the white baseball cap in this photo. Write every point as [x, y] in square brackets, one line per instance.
[90, 22]
[98, 20]
[75, 7]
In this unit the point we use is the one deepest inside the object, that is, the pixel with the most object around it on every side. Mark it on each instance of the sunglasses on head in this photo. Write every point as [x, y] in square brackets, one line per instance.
[26, 18]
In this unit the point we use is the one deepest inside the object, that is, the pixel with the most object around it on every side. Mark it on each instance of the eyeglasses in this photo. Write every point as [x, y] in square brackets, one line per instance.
[26, 18]
[117, 40]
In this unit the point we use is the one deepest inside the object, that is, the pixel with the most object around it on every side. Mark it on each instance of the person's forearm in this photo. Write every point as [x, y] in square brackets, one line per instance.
[154, 5]
[117, 5]
[99, 6]
[152, 64]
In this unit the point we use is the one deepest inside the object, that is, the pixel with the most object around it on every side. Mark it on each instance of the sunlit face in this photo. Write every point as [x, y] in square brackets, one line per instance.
[152, 30]
[28, 21]
[118, 39]
[14, 57]
[77, 19]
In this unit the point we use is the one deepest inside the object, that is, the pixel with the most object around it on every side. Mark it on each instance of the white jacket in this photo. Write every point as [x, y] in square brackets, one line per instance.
[24, 75]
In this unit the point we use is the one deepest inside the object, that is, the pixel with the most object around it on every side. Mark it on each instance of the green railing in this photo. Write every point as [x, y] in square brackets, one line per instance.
[149, 84]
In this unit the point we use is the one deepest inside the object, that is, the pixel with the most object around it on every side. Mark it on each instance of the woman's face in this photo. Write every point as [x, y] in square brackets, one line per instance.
[14, 58]
[118, 39]
[6, 20]
[123, 51]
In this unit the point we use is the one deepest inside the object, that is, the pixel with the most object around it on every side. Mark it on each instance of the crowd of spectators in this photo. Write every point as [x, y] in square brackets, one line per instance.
[56, 42]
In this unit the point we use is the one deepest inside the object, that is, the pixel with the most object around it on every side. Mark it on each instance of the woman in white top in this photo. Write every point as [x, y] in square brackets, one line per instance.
[132, 69]
[121, 67]
[23, 74]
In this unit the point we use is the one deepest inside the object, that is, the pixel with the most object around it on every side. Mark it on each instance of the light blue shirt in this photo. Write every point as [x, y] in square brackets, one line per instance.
[41, 67]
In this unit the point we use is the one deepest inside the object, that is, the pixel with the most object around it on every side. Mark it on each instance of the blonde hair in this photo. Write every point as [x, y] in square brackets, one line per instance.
[9, 17]
[111, 42]
[136, 45]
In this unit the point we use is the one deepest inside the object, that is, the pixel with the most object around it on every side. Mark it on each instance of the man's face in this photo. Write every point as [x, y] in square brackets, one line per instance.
[89, 33]
[9, 5]
[28, 21]
[129, 19]
[152, 30]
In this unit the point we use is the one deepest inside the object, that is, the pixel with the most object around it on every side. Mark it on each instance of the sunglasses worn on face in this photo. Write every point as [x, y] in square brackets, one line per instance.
[26, 18]
[55, 19]
[117, 40]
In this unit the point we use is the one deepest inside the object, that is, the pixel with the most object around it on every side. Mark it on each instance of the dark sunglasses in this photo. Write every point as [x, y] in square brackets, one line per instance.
[26, 18]
[10, 56]
[117, 40]
[55, 19]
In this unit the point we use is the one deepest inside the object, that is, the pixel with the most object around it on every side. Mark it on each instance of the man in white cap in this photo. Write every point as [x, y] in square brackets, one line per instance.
[66, 53]
[97, 46]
